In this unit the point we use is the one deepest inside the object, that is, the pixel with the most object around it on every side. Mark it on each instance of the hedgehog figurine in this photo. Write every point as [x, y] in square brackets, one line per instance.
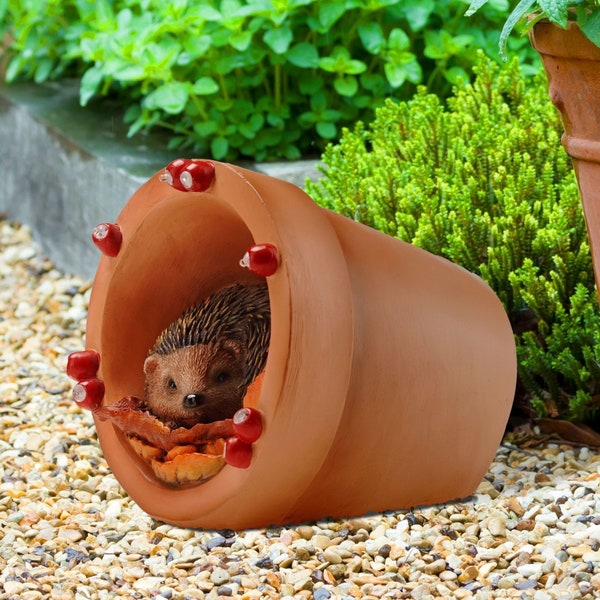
[201, 364]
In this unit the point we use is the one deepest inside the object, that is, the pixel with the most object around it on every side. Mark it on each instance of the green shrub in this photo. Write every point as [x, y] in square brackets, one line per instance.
[257, 78]
[485, 182]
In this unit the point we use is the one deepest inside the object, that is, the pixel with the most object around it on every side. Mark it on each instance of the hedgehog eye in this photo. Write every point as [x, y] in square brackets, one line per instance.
[222, 377]
[171, 384]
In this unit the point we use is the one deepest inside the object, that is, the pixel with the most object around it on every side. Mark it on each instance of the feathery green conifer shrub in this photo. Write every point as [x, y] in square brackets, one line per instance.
[484, 181]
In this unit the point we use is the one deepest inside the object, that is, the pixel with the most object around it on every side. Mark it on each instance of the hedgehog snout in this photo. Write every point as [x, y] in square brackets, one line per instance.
[193, 400]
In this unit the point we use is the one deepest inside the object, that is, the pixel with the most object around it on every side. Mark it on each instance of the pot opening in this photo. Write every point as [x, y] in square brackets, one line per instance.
[188, 328]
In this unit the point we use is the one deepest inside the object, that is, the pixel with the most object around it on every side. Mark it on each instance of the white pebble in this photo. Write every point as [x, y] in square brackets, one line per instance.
[547, 518]
[219, 576]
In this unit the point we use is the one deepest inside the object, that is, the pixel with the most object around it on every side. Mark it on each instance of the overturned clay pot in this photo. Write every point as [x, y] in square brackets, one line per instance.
[390, 372]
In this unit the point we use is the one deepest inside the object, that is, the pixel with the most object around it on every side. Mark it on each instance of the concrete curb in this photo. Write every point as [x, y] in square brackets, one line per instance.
[66, 169]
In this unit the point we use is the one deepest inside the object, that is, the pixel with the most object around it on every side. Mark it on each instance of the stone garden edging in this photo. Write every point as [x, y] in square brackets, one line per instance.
[66, 168]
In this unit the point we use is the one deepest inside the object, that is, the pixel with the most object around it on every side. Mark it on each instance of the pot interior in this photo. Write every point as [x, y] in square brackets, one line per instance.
[183, 250]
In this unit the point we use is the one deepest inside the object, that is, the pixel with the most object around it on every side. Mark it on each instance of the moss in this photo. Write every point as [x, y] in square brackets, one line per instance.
[484, 181]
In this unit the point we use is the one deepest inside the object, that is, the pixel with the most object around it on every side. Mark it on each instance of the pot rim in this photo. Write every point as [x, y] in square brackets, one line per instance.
[548, 38]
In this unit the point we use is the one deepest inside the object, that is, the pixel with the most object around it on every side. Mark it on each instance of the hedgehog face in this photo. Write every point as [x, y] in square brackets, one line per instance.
[196, 384]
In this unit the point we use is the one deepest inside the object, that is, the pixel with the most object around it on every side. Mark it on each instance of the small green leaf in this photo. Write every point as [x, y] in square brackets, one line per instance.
[128, 72]
[104, 12]
[307, 119]
[318, 102]
[230, 7]
[205, 86]
[275, 120]
[590, 24]
[340, 62]
[474, 7]
[374, 83]
[279, 39]
[327, 63]
[292, 152]
[89, 84]
[170, 97]
[417, 13]
[434, 45]
[205, 128]
[355, 67]
[346, 86]
[197, 46]
[310, 85]
[396, 74]
[413, 70]
[398, 40]
[43, 70]
[250, 127]
[14, 68]
[219, 148]
[206, 12]
[240, 40]
[132, 113]
[329, 13]
[371, 36]
[303, 55]
[124, 18]
[515, 16]
[455, 75]
[326, 130]
[441, 45]
[136, 126]
[557, 11]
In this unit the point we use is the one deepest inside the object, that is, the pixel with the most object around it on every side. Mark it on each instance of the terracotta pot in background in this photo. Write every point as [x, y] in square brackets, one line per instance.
[572, 63]
[390, 375]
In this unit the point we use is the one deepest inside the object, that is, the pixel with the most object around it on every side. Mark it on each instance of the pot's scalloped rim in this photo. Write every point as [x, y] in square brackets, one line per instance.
[550, 39]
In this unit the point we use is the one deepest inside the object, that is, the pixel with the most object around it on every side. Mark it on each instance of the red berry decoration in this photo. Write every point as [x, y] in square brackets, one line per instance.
[83, 364]
[262, 259]
[197, 176]
[171, 173]
[189, 175]
[247, 424]
[108, 238]
[89, 393]
[237, 453]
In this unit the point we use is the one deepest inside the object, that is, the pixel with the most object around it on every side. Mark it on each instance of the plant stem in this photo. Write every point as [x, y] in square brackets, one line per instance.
[277, 85]
[199, 106]
[223, 85]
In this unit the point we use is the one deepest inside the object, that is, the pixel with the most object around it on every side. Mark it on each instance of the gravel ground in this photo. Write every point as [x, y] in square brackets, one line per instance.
[67, 529]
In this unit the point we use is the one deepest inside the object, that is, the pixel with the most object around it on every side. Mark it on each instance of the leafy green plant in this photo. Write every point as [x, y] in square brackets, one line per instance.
[253, 78]
[483, 180]
[585, 12]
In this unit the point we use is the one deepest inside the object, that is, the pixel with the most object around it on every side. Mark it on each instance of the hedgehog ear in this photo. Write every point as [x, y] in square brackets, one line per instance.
[150, 364]
[234, 347]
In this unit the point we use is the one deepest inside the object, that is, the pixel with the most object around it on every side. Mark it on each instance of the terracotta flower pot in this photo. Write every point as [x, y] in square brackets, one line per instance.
[390, 373]
[572, 63]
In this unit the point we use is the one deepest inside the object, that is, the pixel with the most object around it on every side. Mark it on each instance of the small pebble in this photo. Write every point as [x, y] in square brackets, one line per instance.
[497, 527]
[436, 567]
